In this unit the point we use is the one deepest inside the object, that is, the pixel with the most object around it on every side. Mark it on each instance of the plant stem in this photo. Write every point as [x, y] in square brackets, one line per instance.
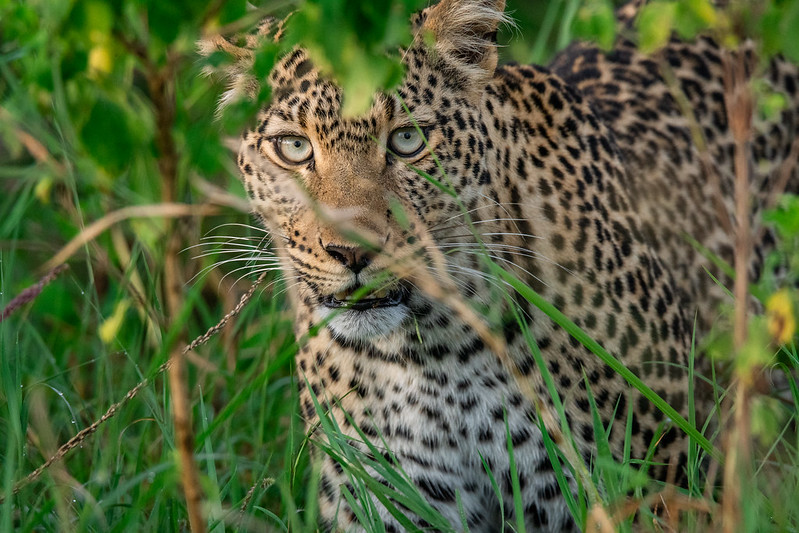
[160, 81]
[739, 103]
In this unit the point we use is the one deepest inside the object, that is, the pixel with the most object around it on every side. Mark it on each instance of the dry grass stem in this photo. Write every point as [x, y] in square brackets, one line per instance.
[90, 232]
[598, 520]
[218, 196]
[83, 434]
[262, 483]
[184, 439]
[739, 103]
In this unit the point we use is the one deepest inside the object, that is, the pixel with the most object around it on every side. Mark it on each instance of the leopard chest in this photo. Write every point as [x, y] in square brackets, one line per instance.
[446, 413]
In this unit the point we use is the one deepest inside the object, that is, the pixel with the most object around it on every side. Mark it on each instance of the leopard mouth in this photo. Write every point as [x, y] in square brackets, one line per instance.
[386, 297]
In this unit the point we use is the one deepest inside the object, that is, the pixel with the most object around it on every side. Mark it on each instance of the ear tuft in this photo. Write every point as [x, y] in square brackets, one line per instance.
[466, 31]
[239, 55]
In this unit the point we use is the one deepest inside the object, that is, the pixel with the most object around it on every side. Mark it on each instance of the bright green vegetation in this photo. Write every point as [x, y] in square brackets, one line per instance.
[103, 107]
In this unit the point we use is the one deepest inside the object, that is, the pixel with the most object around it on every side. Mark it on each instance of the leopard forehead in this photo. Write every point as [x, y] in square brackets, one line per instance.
[311, 102]
[351, 151]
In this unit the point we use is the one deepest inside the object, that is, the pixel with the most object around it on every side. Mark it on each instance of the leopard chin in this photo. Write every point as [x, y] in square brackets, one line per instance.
[364, 324]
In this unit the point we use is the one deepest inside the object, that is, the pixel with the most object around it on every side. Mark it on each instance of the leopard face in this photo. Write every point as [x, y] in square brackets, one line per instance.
[355, 201]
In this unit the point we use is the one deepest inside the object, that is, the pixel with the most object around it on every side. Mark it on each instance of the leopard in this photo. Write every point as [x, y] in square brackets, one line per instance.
[581, 180]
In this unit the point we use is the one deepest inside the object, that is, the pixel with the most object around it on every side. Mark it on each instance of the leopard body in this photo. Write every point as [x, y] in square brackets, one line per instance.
[581, 179]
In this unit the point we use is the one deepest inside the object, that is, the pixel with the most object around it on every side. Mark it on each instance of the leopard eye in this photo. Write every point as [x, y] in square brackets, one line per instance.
[406, 142]
[293, 149]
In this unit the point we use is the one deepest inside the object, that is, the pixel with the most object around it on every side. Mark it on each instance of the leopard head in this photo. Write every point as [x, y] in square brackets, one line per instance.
[356, 202]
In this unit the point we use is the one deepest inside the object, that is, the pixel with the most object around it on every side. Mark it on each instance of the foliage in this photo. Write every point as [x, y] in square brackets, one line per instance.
[358, 51]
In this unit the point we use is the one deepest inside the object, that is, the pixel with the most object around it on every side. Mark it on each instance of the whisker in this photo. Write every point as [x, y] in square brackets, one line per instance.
[498, 247]
[250, 263]
[239, 225]
[221, 245]
[475, 223]
[493, 204]
[255, 255]
[250, 271]
[452, 277]
[462, 214]
[495, 257]
[518, 252]
[496, 233]
[285, 289]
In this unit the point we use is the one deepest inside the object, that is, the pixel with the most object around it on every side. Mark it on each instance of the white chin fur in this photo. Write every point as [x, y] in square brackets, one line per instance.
[368, 324]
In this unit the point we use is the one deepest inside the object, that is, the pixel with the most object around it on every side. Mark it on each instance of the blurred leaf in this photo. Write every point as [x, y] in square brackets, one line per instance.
[20, 23]
[781, 316]
[231, 11]
[265, 58]
[107, 136]
[769, 102]
[789, 30]
[399, 213]
[362, 54]
[755, 352]
[100, 60]
[770, 29]
[164, 19]
[596, 21]
[693, 16]
[765, 419]
[205, 150]
[99, 19]
[43, 188]
[655, 24]
[785, 217]
[110, 327]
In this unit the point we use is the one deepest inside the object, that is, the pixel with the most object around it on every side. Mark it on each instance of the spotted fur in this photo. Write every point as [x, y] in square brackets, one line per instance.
[582, 180]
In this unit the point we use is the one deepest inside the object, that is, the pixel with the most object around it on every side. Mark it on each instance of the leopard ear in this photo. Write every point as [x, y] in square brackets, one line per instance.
[238, 54]
[465, 31]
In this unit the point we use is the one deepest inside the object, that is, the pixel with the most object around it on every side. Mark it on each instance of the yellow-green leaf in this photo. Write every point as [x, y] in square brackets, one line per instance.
[655, 24]
[110, 327]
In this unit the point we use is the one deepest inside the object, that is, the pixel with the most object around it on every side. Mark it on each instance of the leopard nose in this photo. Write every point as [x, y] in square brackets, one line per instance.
[353, 257]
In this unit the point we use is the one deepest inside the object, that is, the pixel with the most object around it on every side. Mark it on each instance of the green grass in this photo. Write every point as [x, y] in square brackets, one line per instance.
[63, 363]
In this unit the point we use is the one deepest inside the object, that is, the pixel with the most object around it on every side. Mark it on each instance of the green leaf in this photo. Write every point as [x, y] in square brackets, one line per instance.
[790, 31]
[770, 30]
[232, 10]
[595, 21]
[362, 54]
[265, 59]
[785, 217]
[693, 16]
[164, 20]
[655, 24]
[99, 19]
[107, 136]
